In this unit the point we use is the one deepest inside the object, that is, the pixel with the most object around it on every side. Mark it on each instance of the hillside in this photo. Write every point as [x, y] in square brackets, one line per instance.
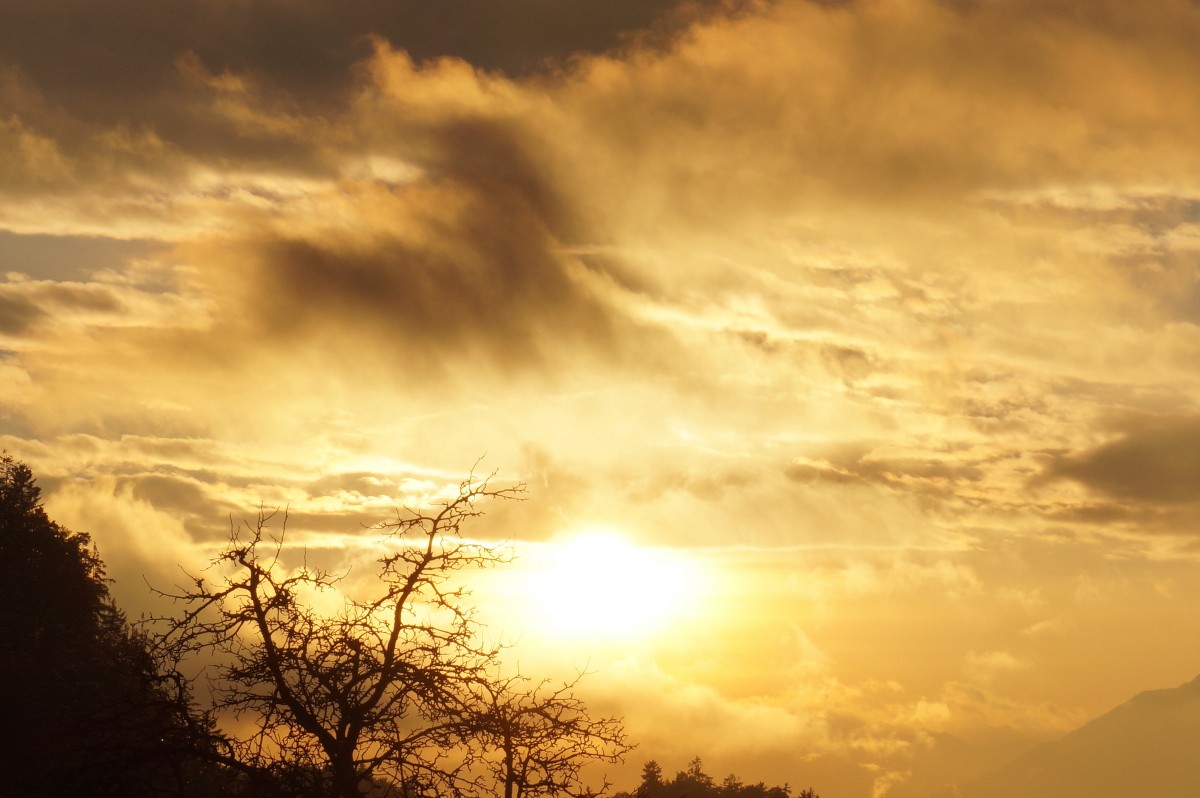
[1148, 746]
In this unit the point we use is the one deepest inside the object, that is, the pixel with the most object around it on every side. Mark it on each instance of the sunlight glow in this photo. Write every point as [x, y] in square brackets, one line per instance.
[595, 583]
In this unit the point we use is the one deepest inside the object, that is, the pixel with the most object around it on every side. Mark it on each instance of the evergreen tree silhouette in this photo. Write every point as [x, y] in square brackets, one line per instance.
[85, 710]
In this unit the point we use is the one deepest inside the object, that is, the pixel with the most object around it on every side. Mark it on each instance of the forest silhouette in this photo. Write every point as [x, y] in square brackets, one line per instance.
[693, 782]
[382, 698]
[87, 708]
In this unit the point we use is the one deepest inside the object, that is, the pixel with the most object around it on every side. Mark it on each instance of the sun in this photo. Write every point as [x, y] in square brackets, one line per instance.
[597, 584]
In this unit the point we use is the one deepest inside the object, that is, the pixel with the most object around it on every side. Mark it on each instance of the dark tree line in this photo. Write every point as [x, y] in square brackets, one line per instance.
[693, 782]
[86, 710]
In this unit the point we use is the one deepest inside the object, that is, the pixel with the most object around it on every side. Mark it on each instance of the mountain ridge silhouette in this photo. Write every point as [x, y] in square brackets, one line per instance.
[1149, 745]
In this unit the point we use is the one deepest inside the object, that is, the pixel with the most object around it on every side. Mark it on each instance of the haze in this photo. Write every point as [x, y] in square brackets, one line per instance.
[871, 326]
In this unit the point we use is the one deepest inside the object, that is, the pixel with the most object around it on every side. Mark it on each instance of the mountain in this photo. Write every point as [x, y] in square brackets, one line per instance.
[1148, 746]
[948, 759]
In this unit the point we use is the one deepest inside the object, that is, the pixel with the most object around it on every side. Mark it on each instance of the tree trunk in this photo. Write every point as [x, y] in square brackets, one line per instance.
[345, 775]
[510, 776]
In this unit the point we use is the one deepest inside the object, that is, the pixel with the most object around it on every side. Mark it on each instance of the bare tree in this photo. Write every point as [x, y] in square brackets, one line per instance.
[538, 738]
[386, 690]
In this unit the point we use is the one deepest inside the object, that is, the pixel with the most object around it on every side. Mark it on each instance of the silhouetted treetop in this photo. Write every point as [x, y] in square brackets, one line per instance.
[693, 782]
[86, 711]
[40, 559]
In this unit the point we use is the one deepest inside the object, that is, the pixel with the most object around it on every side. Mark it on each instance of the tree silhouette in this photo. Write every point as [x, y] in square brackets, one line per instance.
[652, 785]
[395, 687]
[693, 782]
[86, 711]
[535, 739]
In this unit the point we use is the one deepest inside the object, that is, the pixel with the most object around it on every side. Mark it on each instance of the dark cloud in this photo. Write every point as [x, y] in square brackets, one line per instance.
[496, 164]
[501, 296]
[88, 297]
[857, 464]
[173, 494]
[106, 90]
[66, 257]
[365, 523]
[1155, 461]
[1151, 213]
[24, 304]
[200, 501]
[17, 314]
[757, 339]
[1170, 278]
[851, 363]
[477, 267]
[86, 54]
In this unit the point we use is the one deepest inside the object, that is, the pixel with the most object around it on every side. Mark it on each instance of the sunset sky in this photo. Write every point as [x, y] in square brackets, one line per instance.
[850, 351]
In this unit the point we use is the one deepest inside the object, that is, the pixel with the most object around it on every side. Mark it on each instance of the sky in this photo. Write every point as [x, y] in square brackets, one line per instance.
[848, 350]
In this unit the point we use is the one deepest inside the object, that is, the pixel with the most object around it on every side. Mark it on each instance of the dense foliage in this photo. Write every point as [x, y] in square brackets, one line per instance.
[693, 782]
[86, 710]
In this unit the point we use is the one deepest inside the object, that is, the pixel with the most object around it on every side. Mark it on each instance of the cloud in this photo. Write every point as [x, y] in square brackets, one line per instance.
[1154, 461]
[463, 259]
[711, 207]
[137, 542]
[1060, 624]
[29, 301]
[116, 65]
[17, 314]
[857, 738]
[896, 98]
[67, 258]
[732, 725]
[987, 665]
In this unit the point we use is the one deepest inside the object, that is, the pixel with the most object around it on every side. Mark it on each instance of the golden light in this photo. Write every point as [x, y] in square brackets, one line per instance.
[597, 584]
